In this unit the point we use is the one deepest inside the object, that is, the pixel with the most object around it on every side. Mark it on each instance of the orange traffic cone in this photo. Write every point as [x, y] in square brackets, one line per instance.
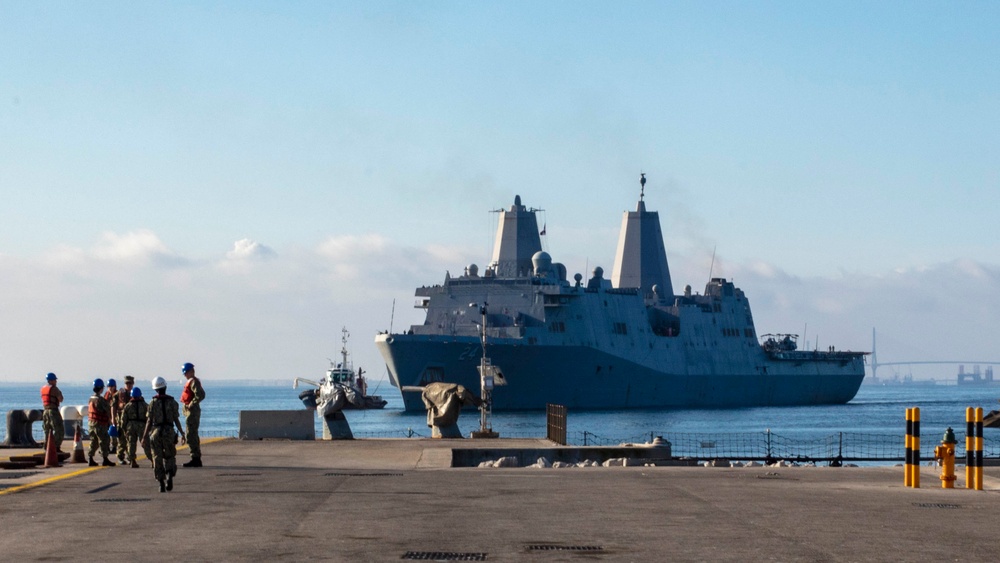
[78, 456]
[51, 456]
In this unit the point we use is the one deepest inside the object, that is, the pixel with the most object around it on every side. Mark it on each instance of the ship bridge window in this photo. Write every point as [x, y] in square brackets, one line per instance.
[557, 326]
[620, 328]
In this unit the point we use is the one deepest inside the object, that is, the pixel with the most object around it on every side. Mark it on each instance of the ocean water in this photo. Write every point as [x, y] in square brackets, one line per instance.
[876, 411]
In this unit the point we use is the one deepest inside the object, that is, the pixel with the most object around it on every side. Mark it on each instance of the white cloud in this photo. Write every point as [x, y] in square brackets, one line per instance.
[68, 311]
[246, 249]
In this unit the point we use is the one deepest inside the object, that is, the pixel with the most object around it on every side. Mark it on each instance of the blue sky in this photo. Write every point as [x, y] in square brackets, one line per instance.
[229, 183]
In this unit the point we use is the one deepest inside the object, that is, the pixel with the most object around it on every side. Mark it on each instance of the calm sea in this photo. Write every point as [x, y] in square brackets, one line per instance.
[875, 410]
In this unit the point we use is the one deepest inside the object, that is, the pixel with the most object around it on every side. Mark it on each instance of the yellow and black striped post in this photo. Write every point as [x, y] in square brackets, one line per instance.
[970, 448]
[979, 448]
[915, 444]
[908, 463]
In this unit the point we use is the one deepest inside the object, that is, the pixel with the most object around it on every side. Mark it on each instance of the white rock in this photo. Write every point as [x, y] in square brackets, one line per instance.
[754, 464]
[486, 463]
[542, 462]
[507, 461]
[561, 464]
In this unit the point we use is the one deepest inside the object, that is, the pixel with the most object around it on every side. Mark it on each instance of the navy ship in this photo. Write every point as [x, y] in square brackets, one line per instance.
[619, 343]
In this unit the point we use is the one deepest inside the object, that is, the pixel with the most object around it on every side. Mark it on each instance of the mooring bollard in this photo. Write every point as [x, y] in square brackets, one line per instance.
[945, 456]
[979, 448]
[908, 456]
[911, 471]
[970, 448]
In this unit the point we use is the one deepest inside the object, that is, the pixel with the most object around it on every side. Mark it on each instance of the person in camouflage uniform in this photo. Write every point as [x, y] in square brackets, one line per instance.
[99, 413]
[122, 398]
[111, 397]
[161, 419]
[134, 423]
[191, 398]
[52, 421]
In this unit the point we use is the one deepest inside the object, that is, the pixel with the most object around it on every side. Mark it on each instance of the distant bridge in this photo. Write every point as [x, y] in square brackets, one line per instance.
[876, 364]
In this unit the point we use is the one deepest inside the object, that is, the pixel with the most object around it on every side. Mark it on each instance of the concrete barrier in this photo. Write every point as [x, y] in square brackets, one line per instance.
[287, 425]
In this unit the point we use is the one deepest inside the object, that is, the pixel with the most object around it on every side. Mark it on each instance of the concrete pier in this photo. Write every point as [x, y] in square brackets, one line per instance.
[377, 500]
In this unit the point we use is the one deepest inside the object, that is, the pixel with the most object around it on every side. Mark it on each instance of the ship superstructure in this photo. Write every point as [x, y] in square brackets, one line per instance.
[624, 342]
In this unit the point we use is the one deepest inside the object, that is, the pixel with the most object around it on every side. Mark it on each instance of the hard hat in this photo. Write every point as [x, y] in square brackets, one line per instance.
[136, 392]
[159, 383]
[98, 383]
[51, 377]
[111, 383]
[187, 367]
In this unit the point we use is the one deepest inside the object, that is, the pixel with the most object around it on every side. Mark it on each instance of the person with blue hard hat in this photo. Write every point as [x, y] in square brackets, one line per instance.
[52, 421]
[111, 397]
[99, 413]
[191, 398]
[134, 421]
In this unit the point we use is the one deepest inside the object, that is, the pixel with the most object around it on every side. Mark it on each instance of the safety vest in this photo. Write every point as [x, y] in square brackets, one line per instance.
[188, 394]
[95, 416]
[50, 399]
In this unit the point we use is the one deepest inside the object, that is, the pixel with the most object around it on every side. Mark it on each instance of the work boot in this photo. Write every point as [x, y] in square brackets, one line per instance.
[195, 462]
[92, 463]
[108, 463]
[163, 486]
[170, 483]
[135, 464]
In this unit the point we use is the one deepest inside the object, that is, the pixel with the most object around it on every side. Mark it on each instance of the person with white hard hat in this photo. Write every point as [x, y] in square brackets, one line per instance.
[159, 433]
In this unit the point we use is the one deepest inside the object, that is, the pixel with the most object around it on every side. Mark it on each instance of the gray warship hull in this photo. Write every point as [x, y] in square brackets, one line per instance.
[580, 377]
[628, 342]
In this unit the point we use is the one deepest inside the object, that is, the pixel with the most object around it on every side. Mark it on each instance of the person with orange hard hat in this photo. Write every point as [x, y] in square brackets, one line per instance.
[52, 421]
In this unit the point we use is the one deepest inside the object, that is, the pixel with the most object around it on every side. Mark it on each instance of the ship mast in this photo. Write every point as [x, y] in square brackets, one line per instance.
[488, 373]
[343, 348]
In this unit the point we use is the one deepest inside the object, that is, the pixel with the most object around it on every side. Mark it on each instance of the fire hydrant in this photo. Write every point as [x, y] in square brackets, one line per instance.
[945, 457]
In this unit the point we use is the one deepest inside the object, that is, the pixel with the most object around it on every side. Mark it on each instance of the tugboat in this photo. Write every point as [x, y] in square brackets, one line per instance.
[340, 380]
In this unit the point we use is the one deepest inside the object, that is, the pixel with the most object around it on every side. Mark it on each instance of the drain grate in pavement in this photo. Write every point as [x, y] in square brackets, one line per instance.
[936, 505]
[565, 548]
[443, 556]
[20, 475]
[362, 474]
[121, 500]
[238, 475]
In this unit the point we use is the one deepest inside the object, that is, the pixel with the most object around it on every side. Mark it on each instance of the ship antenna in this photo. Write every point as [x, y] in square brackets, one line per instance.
[712, 267]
